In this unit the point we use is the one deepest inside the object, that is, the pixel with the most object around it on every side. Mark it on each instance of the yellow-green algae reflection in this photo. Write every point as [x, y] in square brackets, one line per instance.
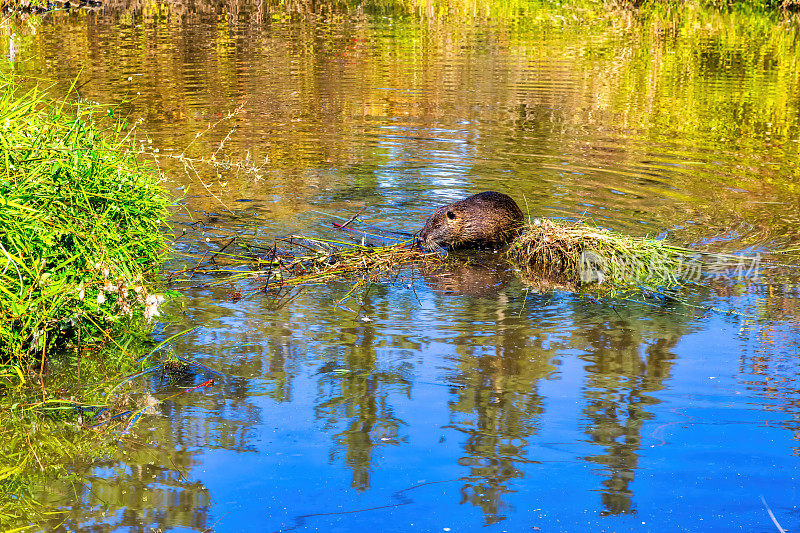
[460, 401]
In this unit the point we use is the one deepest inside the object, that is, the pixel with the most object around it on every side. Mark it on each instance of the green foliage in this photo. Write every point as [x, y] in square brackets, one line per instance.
[81, 226]
[81, 233]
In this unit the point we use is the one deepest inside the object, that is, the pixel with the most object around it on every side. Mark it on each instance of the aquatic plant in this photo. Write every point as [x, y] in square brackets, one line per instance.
[81, 232]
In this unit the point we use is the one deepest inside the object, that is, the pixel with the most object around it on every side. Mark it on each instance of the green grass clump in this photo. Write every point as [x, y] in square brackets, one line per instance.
[579, 255]
[81, 226]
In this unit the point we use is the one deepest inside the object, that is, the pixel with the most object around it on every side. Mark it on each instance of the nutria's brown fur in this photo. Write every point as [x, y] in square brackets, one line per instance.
[484, 219]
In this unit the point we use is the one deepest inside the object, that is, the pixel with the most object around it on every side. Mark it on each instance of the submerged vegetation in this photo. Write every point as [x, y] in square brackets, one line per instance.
[296, 261]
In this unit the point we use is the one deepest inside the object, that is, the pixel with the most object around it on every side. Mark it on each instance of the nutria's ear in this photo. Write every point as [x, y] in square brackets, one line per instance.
[451, 215]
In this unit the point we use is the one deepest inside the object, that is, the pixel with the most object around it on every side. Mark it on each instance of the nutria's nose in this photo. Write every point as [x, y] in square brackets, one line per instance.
[424, 244]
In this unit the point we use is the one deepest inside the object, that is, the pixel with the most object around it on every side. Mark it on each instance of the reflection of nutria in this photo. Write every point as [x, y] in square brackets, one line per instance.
[484, 219]
[480, 275]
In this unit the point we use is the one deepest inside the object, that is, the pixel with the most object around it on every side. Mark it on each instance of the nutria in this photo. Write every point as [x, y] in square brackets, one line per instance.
[484, 219]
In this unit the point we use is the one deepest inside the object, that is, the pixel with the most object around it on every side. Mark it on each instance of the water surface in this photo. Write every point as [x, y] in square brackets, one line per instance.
[470, 401]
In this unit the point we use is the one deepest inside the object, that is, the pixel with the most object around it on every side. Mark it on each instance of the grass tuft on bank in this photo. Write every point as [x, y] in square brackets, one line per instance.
[81, 226]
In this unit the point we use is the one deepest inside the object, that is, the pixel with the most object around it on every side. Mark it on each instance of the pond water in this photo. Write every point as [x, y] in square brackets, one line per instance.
[469, 401]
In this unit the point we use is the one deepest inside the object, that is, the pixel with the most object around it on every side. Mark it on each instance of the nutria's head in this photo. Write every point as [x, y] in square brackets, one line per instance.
[484, 219]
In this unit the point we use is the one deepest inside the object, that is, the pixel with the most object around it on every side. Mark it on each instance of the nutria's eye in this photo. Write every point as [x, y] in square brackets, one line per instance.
[451, 215]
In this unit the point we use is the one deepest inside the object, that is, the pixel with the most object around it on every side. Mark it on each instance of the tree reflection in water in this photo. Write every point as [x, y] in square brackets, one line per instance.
[628, 357]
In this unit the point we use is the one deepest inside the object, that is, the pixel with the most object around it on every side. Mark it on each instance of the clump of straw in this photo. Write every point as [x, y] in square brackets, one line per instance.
[296, 261]
[580, 254]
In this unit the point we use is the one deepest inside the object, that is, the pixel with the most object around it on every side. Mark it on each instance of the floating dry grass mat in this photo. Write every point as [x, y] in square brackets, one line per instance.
[568, 255]
[580, 254]
[297, 261]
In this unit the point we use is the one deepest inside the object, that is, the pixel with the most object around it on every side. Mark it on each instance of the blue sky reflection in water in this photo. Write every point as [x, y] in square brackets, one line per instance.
[644, 445]
[466, 412]
[469, 402]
